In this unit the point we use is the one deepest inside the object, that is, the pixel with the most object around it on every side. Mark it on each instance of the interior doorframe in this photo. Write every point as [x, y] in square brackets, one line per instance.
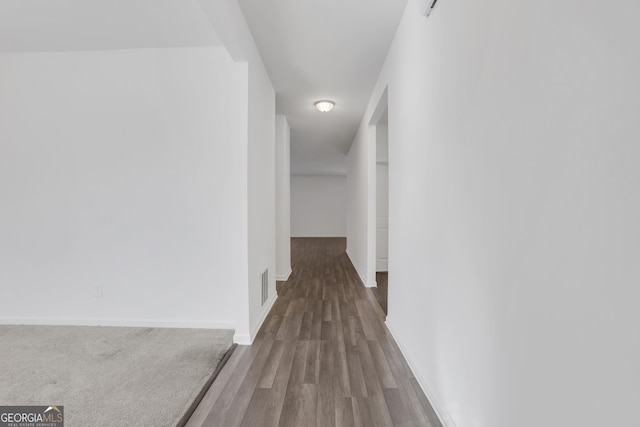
[380, 109]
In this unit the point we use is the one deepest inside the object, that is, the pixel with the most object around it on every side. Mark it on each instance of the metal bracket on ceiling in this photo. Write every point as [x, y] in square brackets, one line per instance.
[427, 7]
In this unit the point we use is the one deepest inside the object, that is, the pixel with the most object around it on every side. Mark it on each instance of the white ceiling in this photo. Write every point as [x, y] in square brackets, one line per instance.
[66, 25]
[313, 49]
[322, 49]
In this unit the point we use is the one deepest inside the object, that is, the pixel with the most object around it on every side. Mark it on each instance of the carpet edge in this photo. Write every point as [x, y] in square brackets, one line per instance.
[205, 388]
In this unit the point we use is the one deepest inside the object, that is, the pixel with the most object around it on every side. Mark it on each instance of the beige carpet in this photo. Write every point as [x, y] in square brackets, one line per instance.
[106, 376]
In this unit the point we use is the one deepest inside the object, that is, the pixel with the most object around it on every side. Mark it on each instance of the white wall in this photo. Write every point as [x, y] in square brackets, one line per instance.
[513, 209]
[382, 142]
[124, 169]
[318, 206]
[360, 208]
[262, 193]
[283, 198]
[199, 103]
[228, 20]
[382, 217]
[382, 195]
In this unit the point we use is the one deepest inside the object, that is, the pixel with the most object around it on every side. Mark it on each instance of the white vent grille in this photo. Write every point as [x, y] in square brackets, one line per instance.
[265, 286]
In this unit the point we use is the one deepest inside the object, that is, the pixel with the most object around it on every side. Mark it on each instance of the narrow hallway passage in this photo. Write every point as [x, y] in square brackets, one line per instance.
[323, 357]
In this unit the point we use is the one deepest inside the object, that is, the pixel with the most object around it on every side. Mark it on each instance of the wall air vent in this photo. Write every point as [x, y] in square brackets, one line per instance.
[265, 286]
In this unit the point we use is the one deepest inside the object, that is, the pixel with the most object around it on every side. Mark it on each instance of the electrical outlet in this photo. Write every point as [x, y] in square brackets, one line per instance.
[98, 293]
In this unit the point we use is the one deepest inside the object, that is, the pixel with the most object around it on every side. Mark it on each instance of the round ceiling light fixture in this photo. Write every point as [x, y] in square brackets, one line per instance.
[324, 106]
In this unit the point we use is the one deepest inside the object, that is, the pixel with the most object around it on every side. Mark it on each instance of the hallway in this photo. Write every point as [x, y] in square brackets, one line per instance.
[323, 357]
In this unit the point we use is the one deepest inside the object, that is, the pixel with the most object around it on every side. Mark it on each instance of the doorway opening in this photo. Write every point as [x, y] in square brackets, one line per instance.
[382, 206]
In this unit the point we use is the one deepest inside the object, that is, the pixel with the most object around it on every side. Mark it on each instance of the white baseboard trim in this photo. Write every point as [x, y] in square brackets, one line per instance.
[443, 416]
[371, 284]
[244, 339]
[131, 323]
[283, 277]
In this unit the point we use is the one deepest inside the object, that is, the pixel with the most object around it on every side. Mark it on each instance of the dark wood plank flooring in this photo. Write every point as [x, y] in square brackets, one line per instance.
[323, 357]
[381, 290]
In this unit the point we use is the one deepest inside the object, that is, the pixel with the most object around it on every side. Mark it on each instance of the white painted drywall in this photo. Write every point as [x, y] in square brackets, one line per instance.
[126, 170]
[361, 204]
[514, 209]
[382, 217]
[262, 192]
[382, 195]
[228, 20]
[318, 206]
[382, 141]
[283, 198]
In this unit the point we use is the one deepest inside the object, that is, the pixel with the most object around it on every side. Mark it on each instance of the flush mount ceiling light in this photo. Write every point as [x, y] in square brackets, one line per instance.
[324, 106]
